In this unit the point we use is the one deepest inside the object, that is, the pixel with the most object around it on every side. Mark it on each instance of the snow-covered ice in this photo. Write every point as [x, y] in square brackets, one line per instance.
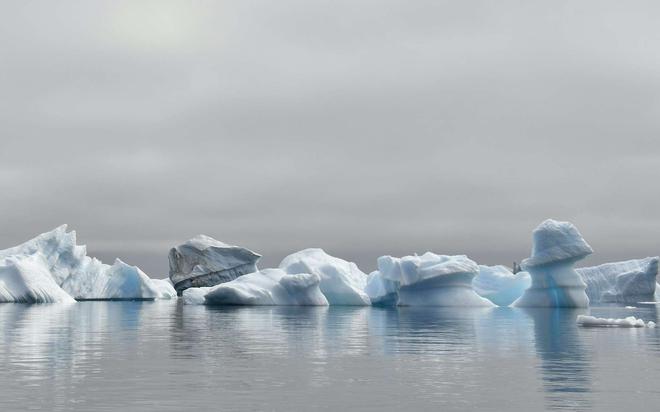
[628, 281]
[342, 282]
[427, 280]
[557, 246]
[203, 261]
[628, 322]
[499, 285]
[265, 287]
[50, 266]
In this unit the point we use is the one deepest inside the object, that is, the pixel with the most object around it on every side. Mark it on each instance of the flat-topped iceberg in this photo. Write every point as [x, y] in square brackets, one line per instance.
[628, 281]
[557, 246]
[341, 282]
[203, 262]
[427, 280]
[265, 287]
[628, 322]
[52, 268]
[499, 285]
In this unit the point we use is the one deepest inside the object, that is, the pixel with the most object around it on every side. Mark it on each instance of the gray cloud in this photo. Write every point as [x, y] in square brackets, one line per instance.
[362, 127]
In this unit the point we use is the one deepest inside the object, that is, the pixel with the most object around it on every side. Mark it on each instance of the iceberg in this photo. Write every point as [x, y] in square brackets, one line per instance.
[557, 246]
[52, 265]
[628, 322]
[628, 281]
[265, 287]
[499, 285]
[203, 261]
[427, 280]
[341, 282]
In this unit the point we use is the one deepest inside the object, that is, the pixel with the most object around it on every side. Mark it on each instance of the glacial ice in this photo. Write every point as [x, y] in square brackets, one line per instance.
[628, 322]
[203, 261]
[557, 246]
[427, 280]
[499, 285]
[50, 266]
[265, 287]
[342, 282]
[628, 281]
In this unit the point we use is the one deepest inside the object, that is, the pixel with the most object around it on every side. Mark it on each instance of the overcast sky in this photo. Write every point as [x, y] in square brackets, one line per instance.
[363, 127]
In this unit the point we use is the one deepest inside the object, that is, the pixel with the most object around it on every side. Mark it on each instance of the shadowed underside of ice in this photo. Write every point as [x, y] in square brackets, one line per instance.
[499, 285]
[427, 280]
[203, 261]
[555, 283]
[265, 287]
[629, 322]
[341, 282]
[628, 281]
[52, 268]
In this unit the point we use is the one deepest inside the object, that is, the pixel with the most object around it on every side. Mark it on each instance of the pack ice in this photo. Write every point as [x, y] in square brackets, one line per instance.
[52, 268]
[203, 262]
[500, 285]
[427, 280]
[557, 246]
[628, 281]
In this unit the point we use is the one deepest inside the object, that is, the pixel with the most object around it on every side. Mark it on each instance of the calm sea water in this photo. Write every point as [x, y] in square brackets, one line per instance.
[139, 356]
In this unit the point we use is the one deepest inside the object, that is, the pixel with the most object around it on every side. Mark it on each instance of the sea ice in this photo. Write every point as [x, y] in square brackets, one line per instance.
[557, 246]
[342, 282]
[628, 322]
[203, 261]
[499, 285]
[30, 271]
[628, 281]
[265, 287]
[427, 280]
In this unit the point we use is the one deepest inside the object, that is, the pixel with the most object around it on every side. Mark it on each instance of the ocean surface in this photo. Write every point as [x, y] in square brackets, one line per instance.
[145, 356]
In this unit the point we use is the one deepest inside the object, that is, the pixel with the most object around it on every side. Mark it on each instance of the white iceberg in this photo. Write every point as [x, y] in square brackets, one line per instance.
[628, 322]
[427, 280]
[203, 261]
[342, 282]
[499, 285]
[628, 281]
[555, 283]
[31, 270]
[265, 287]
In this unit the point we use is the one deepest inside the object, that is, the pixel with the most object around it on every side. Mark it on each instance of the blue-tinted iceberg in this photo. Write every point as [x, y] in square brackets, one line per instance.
[499, 285]
[29, 273]
[203, 262]
[557, 246]
[341, 282]
[628, 281]
[265, 287]
[427, 280]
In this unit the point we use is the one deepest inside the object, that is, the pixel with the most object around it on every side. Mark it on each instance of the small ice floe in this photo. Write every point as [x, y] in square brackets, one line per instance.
[631, 307]
[628, 322]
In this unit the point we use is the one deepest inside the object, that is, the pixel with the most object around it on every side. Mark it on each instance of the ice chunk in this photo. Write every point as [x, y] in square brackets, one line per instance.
[628, 281]
[342, 282]
[557, 246]
[381, 291]
[203, 261]
[25, 279]
[628, 322]
[76, 274]
[427, 280]
[499, 285]
[265, 287]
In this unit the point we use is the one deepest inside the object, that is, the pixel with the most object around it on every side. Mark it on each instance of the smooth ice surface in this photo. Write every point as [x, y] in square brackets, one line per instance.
[427, 280]
[203, 261]
[557, 246]
[31, 271]
[499, 285]
[628, 281]
[627, 322]
[262, 288]
[342, 282]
